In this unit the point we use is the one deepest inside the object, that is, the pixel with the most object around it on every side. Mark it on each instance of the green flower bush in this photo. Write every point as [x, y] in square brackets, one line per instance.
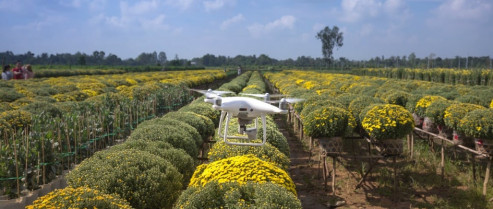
[478, 123]
[143, 179]
[388, 122]
[177, 157]
[455, 112]
[173, 135]
[204, 109]
[235, 195]
[242, 169]
[310, 106]
[360, 103]
[396, 97]
[80, 197]
[46, 108]
[268, 153]
[436, 110]
[204, 125]
[176, 123]
[328, 121]
[424, 102]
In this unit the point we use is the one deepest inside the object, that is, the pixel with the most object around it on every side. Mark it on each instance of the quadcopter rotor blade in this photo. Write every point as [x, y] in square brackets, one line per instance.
[294, 100]
[277, 95]
[221, 92]
[289, 100]
[253, 95]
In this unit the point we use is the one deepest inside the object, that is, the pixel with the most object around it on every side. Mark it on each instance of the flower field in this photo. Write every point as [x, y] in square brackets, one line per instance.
[153, 167]
[362, 95]
[48, 125]
[386, 110]
[440, 75]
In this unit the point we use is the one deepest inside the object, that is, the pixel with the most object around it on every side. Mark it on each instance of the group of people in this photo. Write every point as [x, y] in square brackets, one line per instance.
[18, 73]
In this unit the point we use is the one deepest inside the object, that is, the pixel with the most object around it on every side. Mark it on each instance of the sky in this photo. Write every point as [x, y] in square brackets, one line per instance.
[280, 29]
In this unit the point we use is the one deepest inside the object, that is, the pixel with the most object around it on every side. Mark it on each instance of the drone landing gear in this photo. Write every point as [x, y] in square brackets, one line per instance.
[251, 132]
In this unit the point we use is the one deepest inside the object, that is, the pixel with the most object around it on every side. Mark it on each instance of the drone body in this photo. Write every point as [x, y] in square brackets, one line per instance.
[246, 109]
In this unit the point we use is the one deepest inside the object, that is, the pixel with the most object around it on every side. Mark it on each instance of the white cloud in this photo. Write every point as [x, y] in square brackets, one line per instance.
[140, 8]
[182, 4]
[464, 10]
[97, 4]
[231, 21]
[355, 10]
[156, 23]
[366, 29]
[285, 22]
[216, 4]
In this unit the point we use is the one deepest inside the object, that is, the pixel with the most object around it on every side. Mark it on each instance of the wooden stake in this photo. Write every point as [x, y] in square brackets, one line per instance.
[442, 163]
[486, 176]
[395, 178]
[473, 159]
[334, 175]
[412, 146]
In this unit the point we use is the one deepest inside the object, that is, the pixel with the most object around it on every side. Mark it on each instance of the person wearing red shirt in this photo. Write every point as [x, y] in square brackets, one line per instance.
[18, 71]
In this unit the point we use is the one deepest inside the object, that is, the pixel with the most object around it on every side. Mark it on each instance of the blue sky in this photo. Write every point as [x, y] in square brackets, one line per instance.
[280, 29]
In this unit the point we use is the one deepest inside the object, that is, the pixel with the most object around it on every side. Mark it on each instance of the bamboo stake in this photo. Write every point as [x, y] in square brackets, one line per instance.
[487, 176]
[442, 163]
[16, 165]
[334, 175]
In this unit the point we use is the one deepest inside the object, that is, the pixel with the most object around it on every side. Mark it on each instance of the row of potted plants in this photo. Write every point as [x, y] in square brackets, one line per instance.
[441, 75]
[386, 104]
[42, 138]
[149, 170]
[244, 176]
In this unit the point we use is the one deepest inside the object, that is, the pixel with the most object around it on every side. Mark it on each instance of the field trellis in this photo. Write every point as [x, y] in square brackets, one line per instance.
[38, 146]
[346, 91]
[441, 75]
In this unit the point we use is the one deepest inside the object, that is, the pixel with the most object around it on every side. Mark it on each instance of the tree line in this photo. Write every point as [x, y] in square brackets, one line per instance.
[98, 58]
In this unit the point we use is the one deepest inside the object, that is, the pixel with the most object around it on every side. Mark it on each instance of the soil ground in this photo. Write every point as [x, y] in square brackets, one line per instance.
[306, 172]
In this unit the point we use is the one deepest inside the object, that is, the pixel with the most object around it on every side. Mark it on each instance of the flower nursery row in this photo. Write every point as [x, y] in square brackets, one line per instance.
[154, 165]
[41, 137]
[338, 105]
[149, 170]
[244, 176]
[441, 75]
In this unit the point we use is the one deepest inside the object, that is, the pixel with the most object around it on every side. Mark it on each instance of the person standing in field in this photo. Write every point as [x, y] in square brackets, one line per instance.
[18, 70]
[7, 74]
[27, 71]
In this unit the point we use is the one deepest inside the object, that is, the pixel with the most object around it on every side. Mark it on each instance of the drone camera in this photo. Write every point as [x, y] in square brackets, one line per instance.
[283, 104]
[218, 101]
[251, 133]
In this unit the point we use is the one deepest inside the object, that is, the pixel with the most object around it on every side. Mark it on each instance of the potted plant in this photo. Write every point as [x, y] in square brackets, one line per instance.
[435, 111]
[420, 110]
[329, 125]
[452, 116]
[479, 124]
[387, 124]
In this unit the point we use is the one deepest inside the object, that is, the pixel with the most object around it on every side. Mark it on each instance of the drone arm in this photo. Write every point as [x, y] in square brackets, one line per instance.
[221, 118]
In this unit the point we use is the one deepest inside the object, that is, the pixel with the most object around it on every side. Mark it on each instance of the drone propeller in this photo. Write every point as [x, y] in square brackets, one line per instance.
[264, 95]
[211, 93]
[288, 100]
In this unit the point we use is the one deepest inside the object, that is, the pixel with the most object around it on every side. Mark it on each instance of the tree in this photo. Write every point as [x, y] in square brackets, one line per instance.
[162, 58]
[330, 38]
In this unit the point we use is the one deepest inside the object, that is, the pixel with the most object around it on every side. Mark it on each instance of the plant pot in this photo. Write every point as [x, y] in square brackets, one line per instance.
[444, 131]
[390, 146]
[429, 125]
[457, 137]
[331, 145]
[418, 121]
[484, 146]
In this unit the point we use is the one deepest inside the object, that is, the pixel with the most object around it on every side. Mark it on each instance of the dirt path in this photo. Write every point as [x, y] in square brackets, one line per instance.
[303, 172]
[307, 176]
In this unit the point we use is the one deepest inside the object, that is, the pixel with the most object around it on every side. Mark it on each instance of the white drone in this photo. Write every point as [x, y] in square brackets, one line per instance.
[246, 109]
